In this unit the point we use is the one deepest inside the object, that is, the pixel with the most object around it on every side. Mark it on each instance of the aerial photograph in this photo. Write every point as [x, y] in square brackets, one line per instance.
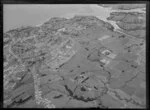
[74, 56]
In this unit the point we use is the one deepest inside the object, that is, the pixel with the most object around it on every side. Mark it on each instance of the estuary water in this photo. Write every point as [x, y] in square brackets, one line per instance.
[16, 16]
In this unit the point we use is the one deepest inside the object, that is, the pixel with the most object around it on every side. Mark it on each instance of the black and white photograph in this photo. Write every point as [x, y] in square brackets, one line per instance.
[74, 55]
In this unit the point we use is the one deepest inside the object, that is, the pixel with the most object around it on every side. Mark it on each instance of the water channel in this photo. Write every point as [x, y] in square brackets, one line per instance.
[16, 16]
